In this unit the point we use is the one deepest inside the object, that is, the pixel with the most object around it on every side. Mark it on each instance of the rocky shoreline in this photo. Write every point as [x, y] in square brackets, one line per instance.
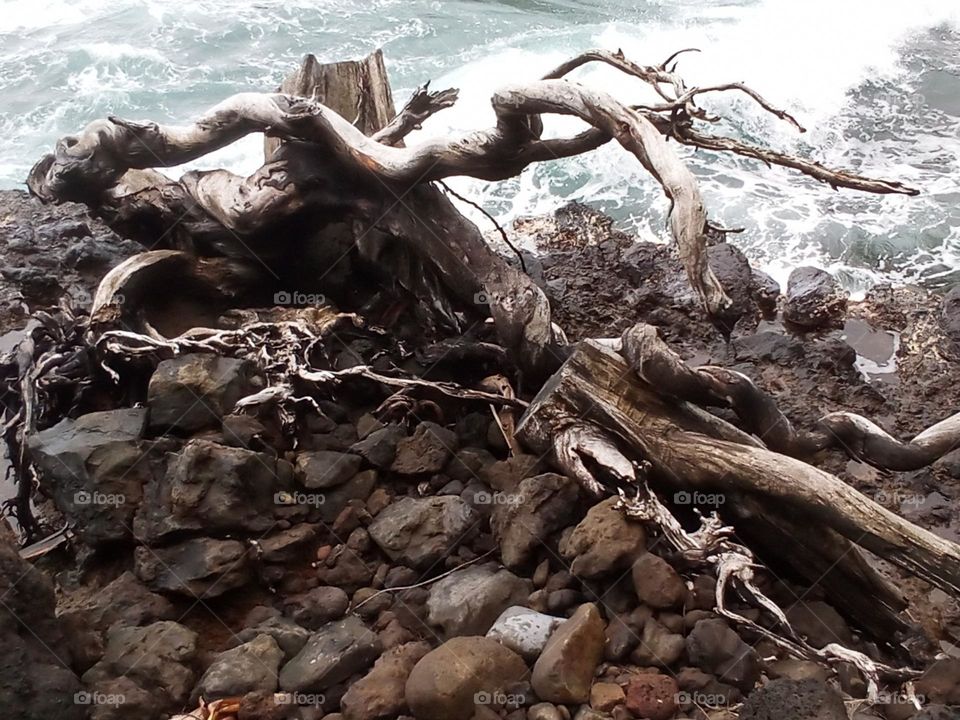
[407, 563]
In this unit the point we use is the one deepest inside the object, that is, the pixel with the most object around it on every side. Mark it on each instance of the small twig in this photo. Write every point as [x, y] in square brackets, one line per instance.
[492, 219]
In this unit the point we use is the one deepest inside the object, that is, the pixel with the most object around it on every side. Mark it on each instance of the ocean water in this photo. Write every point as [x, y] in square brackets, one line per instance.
[877, 82]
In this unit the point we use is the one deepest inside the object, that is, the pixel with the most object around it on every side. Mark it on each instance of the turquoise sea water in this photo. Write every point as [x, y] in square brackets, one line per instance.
[876, 82]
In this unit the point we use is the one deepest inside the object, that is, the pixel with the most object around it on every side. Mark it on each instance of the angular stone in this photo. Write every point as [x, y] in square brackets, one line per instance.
[652, 696]
[819, 623]
[335, 500]
[95, 469]
[605, 696]
[212, 488]
[198, 568]
[604, 541]
[539, 506]
[814, 298]
[330, 656]
[317, 606]
[448, 681]
[380, 694]
[564, 671]
[657, 583]
[194, 391]
[794, 700]
[288, 545]
[289, 636]
[716, 648]
[426, 451]
[419, 532]
[251, 667]
[657, 646]
[524, 631]
[379, 447]
[468, 601]
[325, 468]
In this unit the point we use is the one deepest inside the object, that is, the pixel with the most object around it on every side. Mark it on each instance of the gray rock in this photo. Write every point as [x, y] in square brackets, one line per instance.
[732, 269]
[336, 499]
[715, 647]
[468, 601]
[469, 463]
[317, 606]
[198, 568]
[157, 656]
[330, 656]
[814, 298]
[325, 468]
[794, 700]
[289, 636]
[658, 646]
[426, 451]
[94, 468]
[288, 545]
[766, 291]
[419, 532]
[950, 314]
[819, 623]
[524, 631]
[604, 541]
[194, 391]
[212, 488]
[523, 520]
[125, 600]
[379, 447]
[251, 667]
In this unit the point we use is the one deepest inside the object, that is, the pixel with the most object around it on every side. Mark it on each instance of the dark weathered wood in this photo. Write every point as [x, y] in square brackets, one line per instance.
[358, 90]
[597, 386]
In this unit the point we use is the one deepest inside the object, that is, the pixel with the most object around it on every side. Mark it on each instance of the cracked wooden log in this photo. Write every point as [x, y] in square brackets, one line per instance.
[599, 394]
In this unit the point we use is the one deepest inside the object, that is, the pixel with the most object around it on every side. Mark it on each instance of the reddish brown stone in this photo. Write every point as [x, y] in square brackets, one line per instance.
[652, 696]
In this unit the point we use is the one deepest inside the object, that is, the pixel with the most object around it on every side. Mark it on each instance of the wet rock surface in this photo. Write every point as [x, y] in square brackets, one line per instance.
[814, 298]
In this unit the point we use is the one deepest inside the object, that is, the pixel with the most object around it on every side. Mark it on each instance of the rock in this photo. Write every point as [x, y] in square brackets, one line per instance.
[194, 391]
[446, 682]
[330, 656]
[950, 314]
[713, 646]
[380, 693]
[794, 669]
[814, 298]
[652, 696]
[605, 696]
[941, 682]
[288, 545]
[766, 291]
[794, 700]
[125, 600]
[426, 451]
[317, 606]
[538, 507]
[657, 583]
[104, 700]
[157, 656]
[768, 347]
[564, 671]
[419, 532]
[819, 623]
[604, 541]
[35, 679]
[468, 601]
[524, 631]
[289, 636]
[198, 568]
[732, 269]
[469, 463]
[621, 638]
[658, 646]
[379, 447]
[506, 475]
[326, 468]
[251, 667]
[215, 489]
[337, 499]
[94, 469]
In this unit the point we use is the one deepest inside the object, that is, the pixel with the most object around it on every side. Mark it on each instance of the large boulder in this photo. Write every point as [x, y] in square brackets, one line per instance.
[785, 699]
[251, 667]
[198, 568]
[215, 489]
[419, 532]
[564, 671]
[195, 391]
[94, 468]
[469, 600]
[331, 655]
[35, 676]
[449, 681]
[604, 541]
[814, 299]
[523, 520]
[380, 693]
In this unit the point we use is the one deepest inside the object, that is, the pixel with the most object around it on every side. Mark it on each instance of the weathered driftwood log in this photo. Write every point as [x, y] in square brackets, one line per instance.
[694, 451]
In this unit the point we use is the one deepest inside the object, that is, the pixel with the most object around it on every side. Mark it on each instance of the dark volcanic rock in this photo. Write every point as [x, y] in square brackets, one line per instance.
[380, 694]
[194, 391]
[94, 468]
[251, 667]
[467, 601]
[317, 607]
[814, 298]
[213, 488]
[198, 568]
[792, 700]
[716, 648]
[733, 271]
[380, 446]
[950, 315]
[426, 451]
[330, 656]
[419, 532]
[326, 468]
